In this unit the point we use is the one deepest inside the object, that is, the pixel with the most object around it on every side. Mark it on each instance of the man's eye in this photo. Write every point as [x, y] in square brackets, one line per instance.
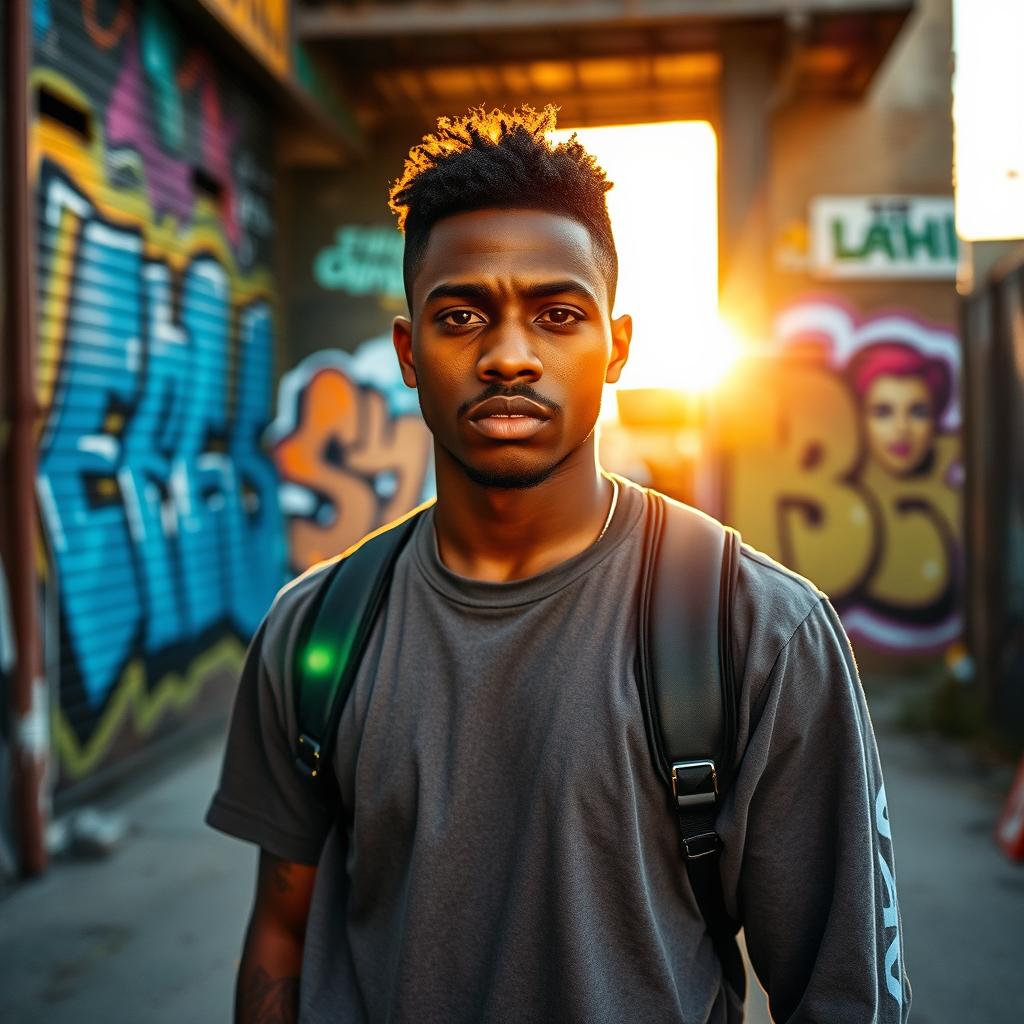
[460, 318]
[561, 316]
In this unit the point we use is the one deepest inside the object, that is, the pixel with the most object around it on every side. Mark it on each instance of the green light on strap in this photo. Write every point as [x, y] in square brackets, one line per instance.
[318, 660]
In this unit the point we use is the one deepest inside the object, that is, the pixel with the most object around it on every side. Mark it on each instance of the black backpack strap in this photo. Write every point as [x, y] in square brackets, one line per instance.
[689, 689]
[333, 638]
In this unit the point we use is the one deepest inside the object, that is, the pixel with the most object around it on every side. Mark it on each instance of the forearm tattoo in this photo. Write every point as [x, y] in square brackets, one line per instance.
[267, 1000]
[281, 876]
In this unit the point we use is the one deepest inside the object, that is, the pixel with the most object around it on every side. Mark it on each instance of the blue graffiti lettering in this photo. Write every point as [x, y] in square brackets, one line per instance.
[161, 508]
[81, 452]
[257, 545]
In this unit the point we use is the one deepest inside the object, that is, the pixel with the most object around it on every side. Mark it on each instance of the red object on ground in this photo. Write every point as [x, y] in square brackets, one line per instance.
[1010, 829]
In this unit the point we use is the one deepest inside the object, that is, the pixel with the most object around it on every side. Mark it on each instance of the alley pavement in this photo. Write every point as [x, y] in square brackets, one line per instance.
[153, 932]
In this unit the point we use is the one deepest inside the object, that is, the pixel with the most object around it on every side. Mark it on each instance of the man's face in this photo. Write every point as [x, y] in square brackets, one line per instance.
[510, 342]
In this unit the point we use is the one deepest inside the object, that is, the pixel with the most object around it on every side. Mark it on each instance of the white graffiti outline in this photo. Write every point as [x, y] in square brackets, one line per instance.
[845, 334]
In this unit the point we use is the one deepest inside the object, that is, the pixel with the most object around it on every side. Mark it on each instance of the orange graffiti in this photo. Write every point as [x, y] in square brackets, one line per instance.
[106, 37]
[345, 442]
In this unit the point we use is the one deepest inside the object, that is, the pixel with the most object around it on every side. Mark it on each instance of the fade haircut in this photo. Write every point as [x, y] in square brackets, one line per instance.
[500, 160]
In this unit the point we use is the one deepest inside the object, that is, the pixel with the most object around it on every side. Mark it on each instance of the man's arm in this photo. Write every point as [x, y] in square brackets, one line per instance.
[267, 990]
[814, 868]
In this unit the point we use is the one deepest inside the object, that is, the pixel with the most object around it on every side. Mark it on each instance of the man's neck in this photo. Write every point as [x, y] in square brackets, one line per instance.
[502, 534]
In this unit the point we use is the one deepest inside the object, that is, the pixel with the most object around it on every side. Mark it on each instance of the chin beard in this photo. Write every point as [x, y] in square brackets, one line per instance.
[509, 480]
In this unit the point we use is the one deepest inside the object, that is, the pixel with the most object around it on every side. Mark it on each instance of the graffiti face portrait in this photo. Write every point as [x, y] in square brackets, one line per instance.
[902, 394]
[899, 424]
[511, 343]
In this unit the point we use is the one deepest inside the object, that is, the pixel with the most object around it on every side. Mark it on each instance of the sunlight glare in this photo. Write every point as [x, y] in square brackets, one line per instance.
[988, 131]
[665, 219]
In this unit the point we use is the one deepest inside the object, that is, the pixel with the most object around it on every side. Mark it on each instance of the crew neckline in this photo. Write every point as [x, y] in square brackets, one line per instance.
[489, 594]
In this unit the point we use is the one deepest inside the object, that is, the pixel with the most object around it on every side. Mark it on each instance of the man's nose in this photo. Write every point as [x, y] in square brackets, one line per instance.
[509, 355]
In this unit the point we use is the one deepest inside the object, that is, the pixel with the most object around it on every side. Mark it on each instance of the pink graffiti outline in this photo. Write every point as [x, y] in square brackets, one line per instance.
[169, 178]
[842, 331]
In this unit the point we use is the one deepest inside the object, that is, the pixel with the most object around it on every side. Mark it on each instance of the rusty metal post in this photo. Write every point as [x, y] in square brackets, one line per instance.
[29, 703]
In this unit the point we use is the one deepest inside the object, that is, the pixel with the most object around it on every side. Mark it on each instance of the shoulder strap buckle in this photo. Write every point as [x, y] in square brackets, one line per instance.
[307, 757]
[704, 845]
[694, 782]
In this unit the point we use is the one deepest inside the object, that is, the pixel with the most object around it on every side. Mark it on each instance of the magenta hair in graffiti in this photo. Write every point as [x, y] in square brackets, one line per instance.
[902, 394]
[898, 359]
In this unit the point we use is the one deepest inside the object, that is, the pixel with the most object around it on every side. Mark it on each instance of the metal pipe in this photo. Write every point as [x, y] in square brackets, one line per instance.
[29, 703]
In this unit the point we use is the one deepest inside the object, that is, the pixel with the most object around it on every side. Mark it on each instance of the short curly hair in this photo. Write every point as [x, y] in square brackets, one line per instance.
[500, 160]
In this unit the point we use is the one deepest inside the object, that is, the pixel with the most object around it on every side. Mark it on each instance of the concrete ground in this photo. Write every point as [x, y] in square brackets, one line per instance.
[152, 934]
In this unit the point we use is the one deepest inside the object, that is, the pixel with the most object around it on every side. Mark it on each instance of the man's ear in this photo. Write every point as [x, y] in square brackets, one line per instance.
[401, 336]
[622, 335]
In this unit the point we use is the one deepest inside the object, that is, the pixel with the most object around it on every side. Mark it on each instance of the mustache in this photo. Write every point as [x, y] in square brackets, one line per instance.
[496, 390]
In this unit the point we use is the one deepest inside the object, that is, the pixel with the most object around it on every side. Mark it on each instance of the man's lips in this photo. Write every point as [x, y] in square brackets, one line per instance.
[508, 418]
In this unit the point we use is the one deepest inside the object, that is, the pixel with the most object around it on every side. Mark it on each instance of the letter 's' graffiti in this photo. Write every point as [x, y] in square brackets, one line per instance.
[858, 485]
[350, 447]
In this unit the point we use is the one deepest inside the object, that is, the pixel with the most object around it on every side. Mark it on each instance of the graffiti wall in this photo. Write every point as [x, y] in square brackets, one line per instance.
[855, 476]
[163, 537]
[350, 446]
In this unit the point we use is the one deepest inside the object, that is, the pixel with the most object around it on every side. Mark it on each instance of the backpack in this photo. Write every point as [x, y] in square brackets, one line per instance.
[685, 675]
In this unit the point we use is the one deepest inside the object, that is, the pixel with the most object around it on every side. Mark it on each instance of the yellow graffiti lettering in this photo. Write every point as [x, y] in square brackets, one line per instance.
[791, 494]
[919, 528]
[806, 491]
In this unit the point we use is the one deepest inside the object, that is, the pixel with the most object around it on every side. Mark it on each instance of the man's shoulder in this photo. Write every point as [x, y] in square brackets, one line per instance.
[775, 589]
[765, 586]
[296, 599]
[770, 605]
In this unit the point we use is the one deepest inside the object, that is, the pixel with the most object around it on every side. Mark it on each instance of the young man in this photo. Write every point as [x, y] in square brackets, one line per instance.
[498, 846]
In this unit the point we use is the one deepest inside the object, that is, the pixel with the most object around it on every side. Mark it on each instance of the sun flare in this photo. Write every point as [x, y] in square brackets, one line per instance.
[664, 213]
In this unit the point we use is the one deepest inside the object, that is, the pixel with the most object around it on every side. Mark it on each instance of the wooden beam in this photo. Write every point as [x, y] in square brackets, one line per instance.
[359, 59]
[586, 108]
[431, 18]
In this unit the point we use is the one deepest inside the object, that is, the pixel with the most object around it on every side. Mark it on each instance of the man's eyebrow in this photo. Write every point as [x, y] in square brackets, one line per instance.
[455, 290]
[568, 287]
[481, 293]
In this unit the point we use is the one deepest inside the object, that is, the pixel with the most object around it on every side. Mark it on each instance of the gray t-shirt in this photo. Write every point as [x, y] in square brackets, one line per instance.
[503, 850]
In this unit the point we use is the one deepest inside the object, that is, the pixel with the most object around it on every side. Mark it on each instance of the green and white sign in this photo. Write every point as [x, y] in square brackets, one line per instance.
[364, 260]
[883, 237]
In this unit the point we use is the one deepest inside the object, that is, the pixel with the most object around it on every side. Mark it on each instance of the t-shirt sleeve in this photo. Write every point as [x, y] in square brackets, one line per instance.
[813, 868]
[261, 797]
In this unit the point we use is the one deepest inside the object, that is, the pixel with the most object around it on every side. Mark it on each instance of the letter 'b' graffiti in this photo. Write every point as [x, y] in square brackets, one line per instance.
[854, 478]
[160, 506]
